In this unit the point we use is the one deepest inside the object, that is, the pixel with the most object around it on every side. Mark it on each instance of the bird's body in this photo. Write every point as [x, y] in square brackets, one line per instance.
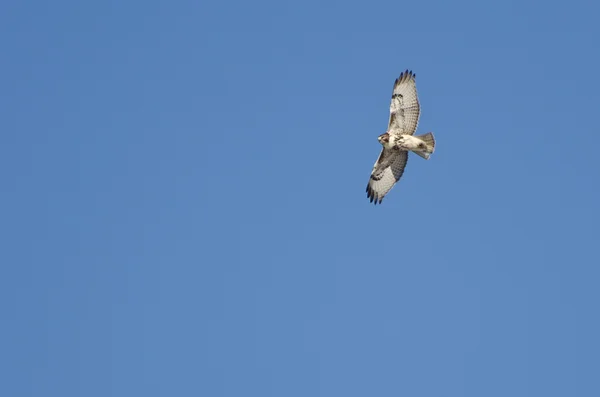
[403, 142]
[399, 139]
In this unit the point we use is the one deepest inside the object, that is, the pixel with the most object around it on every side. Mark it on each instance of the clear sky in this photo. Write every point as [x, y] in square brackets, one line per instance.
[184, 209]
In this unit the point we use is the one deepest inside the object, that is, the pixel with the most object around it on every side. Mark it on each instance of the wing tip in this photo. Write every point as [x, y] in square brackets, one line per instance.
[373, 196]
[405, 76]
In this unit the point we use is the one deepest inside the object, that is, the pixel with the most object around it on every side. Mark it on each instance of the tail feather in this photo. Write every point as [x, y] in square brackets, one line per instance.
[429, 141]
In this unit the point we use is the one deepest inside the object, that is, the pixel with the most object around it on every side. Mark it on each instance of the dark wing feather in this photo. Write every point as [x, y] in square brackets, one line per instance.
[404, 106]
[387, 170]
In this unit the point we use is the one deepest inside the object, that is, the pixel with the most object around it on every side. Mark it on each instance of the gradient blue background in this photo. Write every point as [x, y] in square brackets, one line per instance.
[183, 207]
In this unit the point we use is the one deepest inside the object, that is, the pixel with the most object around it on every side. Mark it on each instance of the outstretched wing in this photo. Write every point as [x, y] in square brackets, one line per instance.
[387, 170]
[404, 108]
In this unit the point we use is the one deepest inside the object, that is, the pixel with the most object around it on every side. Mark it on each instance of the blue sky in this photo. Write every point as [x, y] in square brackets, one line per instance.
[184, 209]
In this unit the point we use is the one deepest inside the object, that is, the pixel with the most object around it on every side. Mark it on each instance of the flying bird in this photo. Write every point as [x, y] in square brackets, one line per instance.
[398, 140]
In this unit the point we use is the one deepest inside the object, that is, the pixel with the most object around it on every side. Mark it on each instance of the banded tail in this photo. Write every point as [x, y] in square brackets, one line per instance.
[429, 141]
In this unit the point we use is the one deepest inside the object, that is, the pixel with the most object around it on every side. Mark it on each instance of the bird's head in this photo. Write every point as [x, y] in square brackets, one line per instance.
[384, 138]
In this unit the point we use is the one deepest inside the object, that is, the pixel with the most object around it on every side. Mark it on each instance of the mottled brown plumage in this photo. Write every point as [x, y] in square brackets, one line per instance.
[398, 140]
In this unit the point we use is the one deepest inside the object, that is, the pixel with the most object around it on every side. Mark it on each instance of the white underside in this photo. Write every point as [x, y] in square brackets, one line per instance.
[407, 142]
[403, 142]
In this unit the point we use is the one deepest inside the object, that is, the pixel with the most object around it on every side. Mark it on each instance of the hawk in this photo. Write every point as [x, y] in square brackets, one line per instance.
[398, 140]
